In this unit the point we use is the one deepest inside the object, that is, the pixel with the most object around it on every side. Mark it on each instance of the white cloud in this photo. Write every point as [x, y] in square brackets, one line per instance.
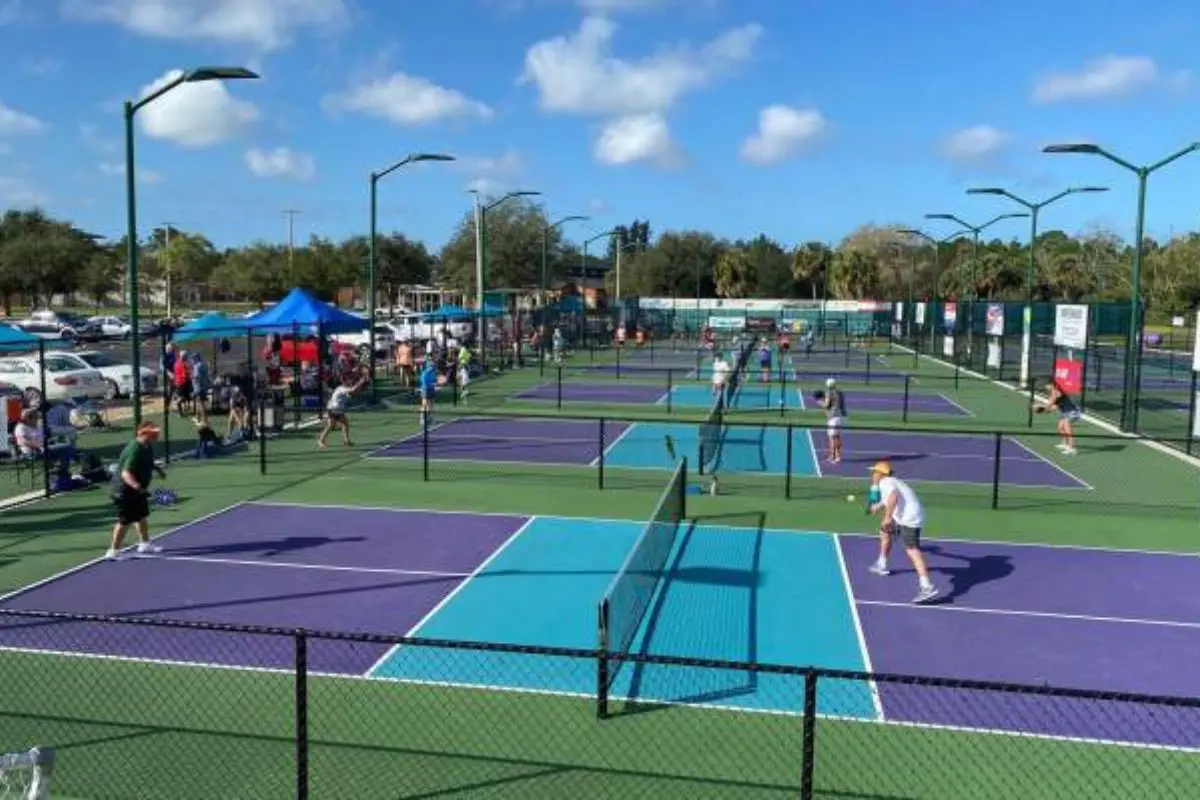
[281, 163]
[1108, 77]
[115, 168]
[579, 75]
[598, 207]
[974, 145]
[783, 132]
[41, 67]
[21, 193]
[195, 114]
[18, 123]
[407, 100]
[637, 138]
[491, 174]
[266, 25]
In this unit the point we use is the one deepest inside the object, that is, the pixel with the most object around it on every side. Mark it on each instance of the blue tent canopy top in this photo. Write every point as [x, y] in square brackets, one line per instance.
[458, 313]
[13, 339]
[213, 325]
[302, 309]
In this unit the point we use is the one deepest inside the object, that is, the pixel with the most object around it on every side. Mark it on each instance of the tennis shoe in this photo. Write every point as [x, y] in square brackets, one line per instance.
[1069, 451]
[112, 555]
[146, 548]
[880, 570]
[926, 594]
[1060, 446]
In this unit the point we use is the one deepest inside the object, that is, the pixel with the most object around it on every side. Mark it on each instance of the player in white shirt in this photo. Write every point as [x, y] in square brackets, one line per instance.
[903, 517]
[335, 409]
[720, 375]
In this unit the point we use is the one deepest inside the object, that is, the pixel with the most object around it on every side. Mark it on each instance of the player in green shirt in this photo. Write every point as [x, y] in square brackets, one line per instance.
[131, 490]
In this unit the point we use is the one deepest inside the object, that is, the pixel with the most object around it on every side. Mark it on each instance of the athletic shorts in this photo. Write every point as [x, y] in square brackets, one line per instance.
[132, 506]
[910, 536]
[427, 393]
[764, 364]
[464, 377]
[835, 426]
[184, 392]
[784, 347]
[336, 416]
[1070, 416]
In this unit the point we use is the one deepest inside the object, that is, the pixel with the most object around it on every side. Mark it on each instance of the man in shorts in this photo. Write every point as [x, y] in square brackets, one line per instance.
[903, 517]
[834, 405]
[720, 375]
[131, 491]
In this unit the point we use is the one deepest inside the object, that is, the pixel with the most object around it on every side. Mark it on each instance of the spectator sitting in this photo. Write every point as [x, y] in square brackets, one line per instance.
[60, 423]
[239, 415]
[28, 436]
[309, 381]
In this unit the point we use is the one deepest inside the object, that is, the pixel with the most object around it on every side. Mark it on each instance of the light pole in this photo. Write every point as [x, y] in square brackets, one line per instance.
[620, 248]
[975, 231]
[937, 268]
[371, 245]
[1133, 365]
[1030, 271]
[546, 246]
[197, 75]
[481, 253]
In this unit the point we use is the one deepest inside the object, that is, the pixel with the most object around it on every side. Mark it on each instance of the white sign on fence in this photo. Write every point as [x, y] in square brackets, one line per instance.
[1071, 326]
[993, 353]
[920, 313]
[1196, 352]
[899, 311]
[948, 346]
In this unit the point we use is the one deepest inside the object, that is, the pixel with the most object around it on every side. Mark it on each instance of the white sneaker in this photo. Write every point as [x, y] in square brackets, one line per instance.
[876, 569]
[1069, 451]
[926, 594]
[1060, 446]
[112, 555]
[147, 548]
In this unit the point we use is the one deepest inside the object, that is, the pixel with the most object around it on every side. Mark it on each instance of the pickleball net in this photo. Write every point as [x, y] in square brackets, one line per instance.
[26, 775]
[624, 605]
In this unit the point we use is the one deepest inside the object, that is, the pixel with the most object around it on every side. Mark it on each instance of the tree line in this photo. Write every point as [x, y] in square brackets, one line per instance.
[42, 257]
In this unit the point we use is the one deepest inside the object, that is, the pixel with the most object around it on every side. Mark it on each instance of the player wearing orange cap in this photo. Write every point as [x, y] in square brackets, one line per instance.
[903, 517]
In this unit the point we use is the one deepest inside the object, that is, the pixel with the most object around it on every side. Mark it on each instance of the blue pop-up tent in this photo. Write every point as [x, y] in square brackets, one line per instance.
[213, 325]
[301, 309]
[448, 312]
[15, 340]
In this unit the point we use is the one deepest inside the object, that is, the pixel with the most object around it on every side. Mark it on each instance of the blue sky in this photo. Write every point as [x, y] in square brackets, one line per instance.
[795, 118]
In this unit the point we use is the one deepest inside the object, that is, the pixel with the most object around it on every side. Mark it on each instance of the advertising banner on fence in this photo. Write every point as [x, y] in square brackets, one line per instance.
[1026, 342]
[899, 311]
[995, 319]
[993, 353]
[1196, 349]
[950, 314]
[1071, 326]
[920, 313]
[727, 323]
[1069, 375]
[948, 346]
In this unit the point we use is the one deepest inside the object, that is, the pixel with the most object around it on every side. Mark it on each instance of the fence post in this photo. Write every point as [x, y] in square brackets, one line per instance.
[558, 385]
[262, 434]
[602, 663]
[907, 386]
[787, 472]
[1191, 425]
[808, 760]
[618, 363]
[999, 442]
[425, 445]
[301, 733]
[670, 389]
[600, 460]
[783, 390]
[1083, 383]
[43, 409]
[957, 361]
[168, 377]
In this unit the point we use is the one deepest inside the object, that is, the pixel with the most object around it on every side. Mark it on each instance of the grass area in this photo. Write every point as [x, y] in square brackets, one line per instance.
[129, 729]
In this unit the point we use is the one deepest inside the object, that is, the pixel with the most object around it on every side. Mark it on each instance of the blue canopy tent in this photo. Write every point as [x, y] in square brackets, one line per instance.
[450, 313]
[213, 325]
[301, 309]
[15, 340]
[570, 304]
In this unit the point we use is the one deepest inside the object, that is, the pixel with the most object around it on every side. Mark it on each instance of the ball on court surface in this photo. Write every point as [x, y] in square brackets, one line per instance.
[849, 498]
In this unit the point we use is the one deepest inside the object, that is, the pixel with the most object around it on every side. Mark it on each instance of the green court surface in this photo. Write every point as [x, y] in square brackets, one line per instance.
[137, 729]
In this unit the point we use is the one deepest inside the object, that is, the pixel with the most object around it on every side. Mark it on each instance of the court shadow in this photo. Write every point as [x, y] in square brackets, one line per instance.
[972, 573]
[268, 547]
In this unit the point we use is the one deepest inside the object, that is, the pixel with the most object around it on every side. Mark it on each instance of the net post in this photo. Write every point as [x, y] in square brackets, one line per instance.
[683, 486]
[618, 363]
[425, 446]
[997, 447]
[867, 360]
[670, 388]
[782, 388]
[301, 720]
[787, 471]
[907, 389]
[262, 433]
[808, 759]
[558, 385]
[600, 460]
[602, 662]
[957, 367]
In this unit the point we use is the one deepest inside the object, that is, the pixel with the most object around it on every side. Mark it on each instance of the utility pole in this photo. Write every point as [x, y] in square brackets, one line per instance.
[291, 213]
[165, 255]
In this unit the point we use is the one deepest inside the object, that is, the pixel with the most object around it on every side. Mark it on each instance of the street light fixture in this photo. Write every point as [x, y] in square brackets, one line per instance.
[197, 75]
[481, 210]
[937, 267]
[546, 245]
[1034, 208]
[1133, 362]
[375, 178]
[975, 231]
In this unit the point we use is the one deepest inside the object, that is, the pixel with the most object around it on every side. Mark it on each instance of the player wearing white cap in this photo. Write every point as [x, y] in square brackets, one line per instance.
[834, 404]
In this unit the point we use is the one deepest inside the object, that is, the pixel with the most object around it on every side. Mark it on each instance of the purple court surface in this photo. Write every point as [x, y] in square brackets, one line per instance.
[346, 570]
[918, 403]
[593, 393]
[511, 440]
[1089, 619]
[960, 458]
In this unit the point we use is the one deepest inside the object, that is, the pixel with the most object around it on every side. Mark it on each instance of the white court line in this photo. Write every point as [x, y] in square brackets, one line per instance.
[788, 531]
[80, 567]
[412, 632]
[803, 404]
[876, 700]
[249, 562]
[1041, 457]
[812, 448]
[957, 405]
[1010, 612]
[612, 445]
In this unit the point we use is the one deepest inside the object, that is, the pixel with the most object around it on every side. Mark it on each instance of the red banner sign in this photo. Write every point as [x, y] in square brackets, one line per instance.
[1069, 375]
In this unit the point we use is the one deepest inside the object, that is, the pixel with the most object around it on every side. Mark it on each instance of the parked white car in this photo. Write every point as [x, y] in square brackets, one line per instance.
[120, 327]
[51, 331]
[65, 380]
[415, 328]
[385, 340]
[118, 377]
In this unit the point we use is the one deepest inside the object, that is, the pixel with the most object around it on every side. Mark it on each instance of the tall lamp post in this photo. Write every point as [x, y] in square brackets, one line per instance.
[1133, 362]
[546, 247]
[481, 210]
[197, 75]
[371, 258]
[1031, 269]
[975, 231]
[937, 267]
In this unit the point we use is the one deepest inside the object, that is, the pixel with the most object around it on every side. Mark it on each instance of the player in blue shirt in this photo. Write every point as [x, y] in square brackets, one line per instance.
[428, 382]
[764, 359]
